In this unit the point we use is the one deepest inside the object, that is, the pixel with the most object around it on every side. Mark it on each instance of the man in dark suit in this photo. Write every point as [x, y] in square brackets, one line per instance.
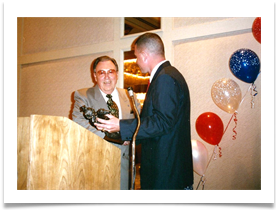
[164, 134]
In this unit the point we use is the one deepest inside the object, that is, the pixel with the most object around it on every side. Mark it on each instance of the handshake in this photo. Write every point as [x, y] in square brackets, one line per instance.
[92, 115]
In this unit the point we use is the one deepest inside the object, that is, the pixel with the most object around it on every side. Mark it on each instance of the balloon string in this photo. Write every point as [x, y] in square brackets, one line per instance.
[220, 153]
[213, 154]
[245, 95]
[228, 125]
[234, 129]
[235, 113]
[252, 87]
[253, 95]
[202, 179]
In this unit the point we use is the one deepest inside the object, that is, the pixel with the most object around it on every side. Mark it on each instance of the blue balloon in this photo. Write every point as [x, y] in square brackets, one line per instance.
[245, 65]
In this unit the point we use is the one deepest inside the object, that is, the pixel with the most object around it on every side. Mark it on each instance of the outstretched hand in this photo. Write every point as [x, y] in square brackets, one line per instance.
[112, 125]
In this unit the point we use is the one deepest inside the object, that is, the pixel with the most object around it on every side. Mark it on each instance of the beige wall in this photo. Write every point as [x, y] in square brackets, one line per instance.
[202, 63]
[47, 87]
[55, 55]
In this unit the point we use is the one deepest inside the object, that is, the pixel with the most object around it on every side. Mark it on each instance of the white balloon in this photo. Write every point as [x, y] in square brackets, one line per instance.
[200, 157]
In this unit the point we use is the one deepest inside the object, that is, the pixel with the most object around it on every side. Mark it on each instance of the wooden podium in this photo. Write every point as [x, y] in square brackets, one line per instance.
[55, 153]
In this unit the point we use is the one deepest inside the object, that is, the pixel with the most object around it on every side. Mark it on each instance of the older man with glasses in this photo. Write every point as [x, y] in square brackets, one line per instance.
[105, 95]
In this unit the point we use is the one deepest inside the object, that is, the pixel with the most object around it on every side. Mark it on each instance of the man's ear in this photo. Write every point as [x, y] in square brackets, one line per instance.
[144, 56]
[95, 76]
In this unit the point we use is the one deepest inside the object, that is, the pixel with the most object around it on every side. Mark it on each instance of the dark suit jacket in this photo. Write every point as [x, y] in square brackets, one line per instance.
[166, 161]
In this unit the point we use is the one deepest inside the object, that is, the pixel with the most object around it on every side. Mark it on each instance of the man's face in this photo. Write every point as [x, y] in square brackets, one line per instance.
[141, 60]
[106, 76]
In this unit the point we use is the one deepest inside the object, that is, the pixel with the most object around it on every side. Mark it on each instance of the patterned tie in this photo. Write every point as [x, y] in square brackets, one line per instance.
[112, 106]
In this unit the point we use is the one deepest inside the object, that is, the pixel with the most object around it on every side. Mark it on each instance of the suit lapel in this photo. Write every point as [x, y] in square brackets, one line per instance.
[125, 103]
[162, 66]
[96, 98]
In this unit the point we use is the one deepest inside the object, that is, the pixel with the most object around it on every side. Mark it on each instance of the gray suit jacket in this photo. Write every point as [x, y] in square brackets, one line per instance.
[91, 97]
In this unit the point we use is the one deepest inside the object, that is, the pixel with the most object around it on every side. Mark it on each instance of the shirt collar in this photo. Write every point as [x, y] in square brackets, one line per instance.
[114, 94]
[155, 69]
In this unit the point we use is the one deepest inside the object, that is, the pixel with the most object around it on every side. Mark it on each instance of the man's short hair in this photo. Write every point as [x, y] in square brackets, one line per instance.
[150, 41]
[104, 58]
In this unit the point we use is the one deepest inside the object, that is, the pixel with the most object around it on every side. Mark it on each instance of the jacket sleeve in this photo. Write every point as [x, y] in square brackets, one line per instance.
[77, 116]
[160, 113]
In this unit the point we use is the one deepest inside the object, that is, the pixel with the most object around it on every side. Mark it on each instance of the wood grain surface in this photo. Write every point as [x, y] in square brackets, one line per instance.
[66, 156]
[23, 139]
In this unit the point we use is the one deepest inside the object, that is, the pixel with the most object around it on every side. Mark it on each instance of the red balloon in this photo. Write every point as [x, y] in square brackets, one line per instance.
[209, 127]
[256, 29]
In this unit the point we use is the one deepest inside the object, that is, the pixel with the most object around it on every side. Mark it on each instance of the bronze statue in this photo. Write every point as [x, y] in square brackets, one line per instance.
[91, 115]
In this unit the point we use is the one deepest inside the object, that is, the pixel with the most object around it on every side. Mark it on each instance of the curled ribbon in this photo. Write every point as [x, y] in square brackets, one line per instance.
[234, 129]
[215, 152]
[220, 153]
[253, 94]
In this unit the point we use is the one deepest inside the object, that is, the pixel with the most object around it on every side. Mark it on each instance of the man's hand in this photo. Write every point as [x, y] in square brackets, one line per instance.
[112, 125]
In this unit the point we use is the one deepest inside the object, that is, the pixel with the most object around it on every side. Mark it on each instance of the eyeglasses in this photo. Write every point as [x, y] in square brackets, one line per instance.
[110, 72]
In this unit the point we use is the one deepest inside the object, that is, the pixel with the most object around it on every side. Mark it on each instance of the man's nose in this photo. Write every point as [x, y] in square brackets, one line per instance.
[106, 75]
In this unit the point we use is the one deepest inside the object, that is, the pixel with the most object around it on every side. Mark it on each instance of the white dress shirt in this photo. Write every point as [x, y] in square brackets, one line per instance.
[155, 69]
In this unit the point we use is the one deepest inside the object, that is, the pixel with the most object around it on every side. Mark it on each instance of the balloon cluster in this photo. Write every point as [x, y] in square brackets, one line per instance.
[226, 94]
